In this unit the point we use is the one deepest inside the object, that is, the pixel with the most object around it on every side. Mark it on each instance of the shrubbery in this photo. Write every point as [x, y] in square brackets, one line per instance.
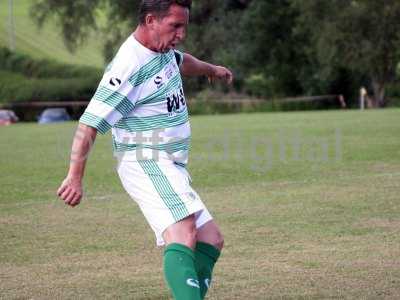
[21, 63]
[393, 94]
[211, 102]
[17, 88]
[25, 79]
[259, 86]
[212, 106]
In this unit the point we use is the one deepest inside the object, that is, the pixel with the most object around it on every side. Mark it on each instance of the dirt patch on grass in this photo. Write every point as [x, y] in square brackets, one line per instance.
[14, 220]
[86, 277]
[379, 223]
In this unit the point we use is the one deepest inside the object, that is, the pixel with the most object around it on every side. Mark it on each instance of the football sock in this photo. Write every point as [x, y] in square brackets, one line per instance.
[206, 256]
[180, 272]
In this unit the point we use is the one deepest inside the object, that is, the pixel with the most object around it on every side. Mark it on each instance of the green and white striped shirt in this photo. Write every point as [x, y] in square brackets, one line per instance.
[141, 98]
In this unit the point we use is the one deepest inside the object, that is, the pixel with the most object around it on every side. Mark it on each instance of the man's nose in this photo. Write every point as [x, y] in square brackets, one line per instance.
[181, 32]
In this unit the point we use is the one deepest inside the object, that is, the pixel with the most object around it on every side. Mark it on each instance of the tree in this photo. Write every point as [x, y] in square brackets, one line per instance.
[269, 47]
[115, 18]
[79, 18]
[287, 47]
[360, 35]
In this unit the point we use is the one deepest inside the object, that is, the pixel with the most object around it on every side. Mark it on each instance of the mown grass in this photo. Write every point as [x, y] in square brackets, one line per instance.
[46, 42]
[308, 202]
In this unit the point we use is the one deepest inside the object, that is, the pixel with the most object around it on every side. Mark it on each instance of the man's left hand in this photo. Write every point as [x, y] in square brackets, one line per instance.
[221, 73]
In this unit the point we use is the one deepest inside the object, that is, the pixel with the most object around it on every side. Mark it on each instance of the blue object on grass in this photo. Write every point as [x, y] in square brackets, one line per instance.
[53, 115]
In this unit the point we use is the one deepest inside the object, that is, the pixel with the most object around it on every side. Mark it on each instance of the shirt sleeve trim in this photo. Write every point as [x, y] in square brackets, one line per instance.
[96, 122]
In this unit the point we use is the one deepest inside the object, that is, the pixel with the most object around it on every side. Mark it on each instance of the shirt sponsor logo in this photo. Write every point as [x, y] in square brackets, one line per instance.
[158, 81]
[176, 101]
[114, 81]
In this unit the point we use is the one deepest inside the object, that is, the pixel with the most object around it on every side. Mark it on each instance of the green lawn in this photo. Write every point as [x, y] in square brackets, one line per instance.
[47, 42]
[308, 202]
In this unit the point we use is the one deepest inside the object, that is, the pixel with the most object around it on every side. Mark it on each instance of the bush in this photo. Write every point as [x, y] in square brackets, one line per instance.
[17, 88]
[25, 79]
[20, 63]
[211, 102]
[393, 94]
[257, 85]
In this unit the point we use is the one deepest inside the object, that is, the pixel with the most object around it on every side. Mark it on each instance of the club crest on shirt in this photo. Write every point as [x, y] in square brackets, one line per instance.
[170, 70]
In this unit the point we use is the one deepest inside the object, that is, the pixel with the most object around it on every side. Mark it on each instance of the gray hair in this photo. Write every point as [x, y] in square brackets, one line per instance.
[159, 7]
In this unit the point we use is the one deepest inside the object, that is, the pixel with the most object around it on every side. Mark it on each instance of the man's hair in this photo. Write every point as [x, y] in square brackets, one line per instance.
[159, 7]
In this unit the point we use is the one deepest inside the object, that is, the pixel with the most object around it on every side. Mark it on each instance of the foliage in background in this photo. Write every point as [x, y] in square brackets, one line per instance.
[393, 94]
[269, 47]
[42, 68]
[360, 36]
[46, 42]
[25, 79]
[275, 48]
[79, 18]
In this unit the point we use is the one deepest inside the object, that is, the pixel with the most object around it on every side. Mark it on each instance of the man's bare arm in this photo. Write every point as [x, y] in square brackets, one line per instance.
[70, 190]
[192, 66]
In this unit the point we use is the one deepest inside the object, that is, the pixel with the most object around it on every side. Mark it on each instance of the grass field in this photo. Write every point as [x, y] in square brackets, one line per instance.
[308, 202]
[47, 42]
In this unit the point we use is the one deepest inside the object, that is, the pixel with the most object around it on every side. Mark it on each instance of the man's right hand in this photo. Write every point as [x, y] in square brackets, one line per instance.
[70, 191]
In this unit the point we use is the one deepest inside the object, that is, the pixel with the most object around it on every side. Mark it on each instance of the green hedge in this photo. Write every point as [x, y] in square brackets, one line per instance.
[393, 94]
[25, 79]
[205, 107]
[212, 102]
[17, 88]
[21, 63]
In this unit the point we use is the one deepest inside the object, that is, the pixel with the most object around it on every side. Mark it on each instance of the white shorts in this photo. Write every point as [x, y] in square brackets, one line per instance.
[163, 192]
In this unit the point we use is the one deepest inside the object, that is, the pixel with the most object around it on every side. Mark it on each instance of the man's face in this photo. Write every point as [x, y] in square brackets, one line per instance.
[170, 30]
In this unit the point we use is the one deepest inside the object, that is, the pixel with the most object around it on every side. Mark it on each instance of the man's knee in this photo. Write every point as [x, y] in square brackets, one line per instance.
[183, 232]
[219, 240]
[211, 234]
[190, 237]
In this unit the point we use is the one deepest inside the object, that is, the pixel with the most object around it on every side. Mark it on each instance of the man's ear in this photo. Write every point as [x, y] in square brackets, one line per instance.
[150, 20]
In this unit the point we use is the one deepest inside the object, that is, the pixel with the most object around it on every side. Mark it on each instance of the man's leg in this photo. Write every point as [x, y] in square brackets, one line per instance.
[179, 260]
[208, 248]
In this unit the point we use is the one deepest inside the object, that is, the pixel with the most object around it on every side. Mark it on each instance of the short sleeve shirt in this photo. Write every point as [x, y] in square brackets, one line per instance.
[141, 98]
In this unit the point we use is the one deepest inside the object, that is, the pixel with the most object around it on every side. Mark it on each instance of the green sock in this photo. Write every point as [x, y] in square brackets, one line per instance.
[206, 257]
[180, 272]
